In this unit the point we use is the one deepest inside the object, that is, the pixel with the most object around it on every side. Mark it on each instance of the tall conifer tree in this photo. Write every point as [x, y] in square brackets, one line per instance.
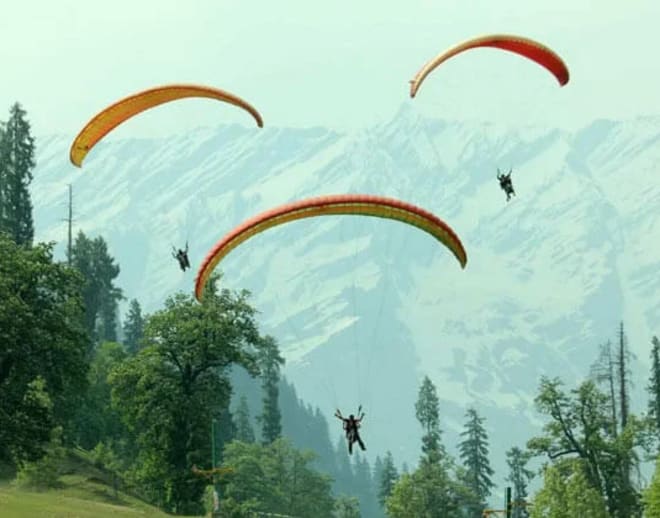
[474, 455]
[271, 417]
[16, 164]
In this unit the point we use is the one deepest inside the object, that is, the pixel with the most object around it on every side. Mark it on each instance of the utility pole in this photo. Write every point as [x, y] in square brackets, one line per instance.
[508, 506]
[69, 220]
[68, 247]
[215, 473]
[214, 461]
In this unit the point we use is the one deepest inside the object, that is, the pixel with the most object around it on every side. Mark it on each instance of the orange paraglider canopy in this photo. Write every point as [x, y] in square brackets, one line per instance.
[526, 47]
[112, 116]
[347, 204]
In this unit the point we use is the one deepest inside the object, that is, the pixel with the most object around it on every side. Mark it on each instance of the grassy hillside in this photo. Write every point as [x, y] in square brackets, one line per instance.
[85, 492]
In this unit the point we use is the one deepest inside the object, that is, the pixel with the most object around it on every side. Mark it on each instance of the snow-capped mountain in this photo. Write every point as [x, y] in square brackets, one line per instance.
[549, 274]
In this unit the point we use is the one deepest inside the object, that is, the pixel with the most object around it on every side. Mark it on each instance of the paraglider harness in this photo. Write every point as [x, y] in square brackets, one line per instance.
[182, 257]
[351, 426]
[506, 183]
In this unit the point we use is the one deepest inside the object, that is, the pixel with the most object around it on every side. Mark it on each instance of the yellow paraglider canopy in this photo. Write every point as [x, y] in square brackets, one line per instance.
[112, 116]
[346, 204]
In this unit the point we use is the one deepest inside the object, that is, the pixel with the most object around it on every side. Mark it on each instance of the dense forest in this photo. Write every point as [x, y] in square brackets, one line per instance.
[188, 409]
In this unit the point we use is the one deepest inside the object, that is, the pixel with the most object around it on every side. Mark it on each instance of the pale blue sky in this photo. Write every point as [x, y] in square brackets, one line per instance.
[339, 63]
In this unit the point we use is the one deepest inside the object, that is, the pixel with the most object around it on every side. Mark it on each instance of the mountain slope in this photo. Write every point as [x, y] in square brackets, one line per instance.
[549, 274]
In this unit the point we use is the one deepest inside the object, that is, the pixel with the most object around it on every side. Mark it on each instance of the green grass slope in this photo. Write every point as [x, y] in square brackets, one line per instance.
[85, 492]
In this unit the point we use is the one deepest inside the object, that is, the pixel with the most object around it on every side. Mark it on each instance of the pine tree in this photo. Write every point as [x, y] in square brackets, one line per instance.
[388, 478]
[344, 481]
[654, 383]
[16, 164]
[225, 431]
[108, 321]
[320, 441]
[430, 490]
[270, 419]
[364, 485]
[623, 372]
[652, 494]
[377, 475]
[628, 496]
[133, 327]
[474, 454]
[100, 296]
[603, 372]
[244, 431]
[428, 415]
[110, 295]
[519, 476]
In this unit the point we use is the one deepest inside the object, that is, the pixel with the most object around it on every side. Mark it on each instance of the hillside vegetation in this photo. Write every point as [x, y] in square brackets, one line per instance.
[84, 491]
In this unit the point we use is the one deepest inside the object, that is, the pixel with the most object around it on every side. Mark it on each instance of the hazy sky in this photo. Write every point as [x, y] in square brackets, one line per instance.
[339, 63]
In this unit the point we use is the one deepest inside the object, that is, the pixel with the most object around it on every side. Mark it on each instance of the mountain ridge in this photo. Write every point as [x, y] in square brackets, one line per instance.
[363, 308]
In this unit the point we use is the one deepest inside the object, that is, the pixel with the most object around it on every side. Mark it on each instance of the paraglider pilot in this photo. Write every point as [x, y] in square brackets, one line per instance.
[506, 184]
[182, 257]
[351, 426]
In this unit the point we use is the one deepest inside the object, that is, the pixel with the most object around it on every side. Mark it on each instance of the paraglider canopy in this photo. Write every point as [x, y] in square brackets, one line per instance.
[112, 116]
[520, 45]
[347, 204]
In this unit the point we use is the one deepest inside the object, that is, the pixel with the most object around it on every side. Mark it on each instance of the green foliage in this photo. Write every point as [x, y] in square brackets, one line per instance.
[427, 493]
[100, 296]
[16, 164]
[104, 455]
[604, 374]
[276, 478]
[567, 493]
[225, 429]
[364, 486]
[519, 476]
[580, 427]
[622, 378]
[270, 361]
[654, 384]
[96, 420]
[133, 327]
[44, 473]
[388, 478]
[428, 415]
[307, 428]
[42, 353]
[233, 509]
[652, 495]
[244, 431]
[24, 434]
[82, 491]
[344, 471]
[347, 507]
[168, 393]
[474, 454]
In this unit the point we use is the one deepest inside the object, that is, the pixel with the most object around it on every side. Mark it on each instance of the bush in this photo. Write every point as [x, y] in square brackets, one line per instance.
[45, 472]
